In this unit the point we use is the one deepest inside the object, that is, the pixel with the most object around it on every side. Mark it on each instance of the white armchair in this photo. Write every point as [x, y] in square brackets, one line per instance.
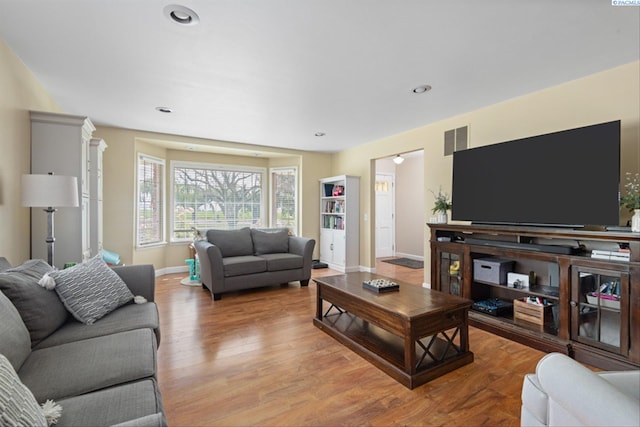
[562, 392]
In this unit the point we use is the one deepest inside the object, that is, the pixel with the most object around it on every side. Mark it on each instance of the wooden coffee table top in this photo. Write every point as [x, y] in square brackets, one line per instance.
[413, 334]
[409, 301]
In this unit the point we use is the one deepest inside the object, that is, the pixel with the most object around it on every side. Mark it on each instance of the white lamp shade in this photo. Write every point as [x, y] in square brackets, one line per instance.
[49, 191]
[398, 159]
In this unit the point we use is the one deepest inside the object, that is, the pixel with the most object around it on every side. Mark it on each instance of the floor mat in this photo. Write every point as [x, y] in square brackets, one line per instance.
[405, 262]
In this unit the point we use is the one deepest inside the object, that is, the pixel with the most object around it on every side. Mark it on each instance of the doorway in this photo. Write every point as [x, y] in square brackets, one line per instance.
[399, 206]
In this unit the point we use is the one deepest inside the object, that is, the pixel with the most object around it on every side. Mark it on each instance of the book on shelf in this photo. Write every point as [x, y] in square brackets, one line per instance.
[334, 206]
[619, 255]
[333, 222]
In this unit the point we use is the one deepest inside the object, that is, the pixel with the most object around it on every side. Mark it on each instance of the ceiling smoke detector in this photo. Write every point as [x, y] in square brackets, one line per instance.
[181, 15]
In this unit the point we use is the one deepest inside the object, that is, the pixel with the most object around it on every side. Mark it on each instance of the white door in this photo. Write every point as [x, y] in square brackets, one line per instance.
[385, 213]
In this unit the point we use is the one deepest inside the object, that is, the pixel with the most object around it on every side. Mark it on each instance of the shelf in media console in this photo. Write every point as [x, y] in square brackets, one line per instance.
[551, 292]
[555, 249]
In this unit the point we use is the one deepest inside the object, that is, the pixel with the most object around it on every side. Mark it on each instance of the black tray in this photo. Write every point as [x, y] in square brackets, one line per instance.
[493, 306]
[383, 286]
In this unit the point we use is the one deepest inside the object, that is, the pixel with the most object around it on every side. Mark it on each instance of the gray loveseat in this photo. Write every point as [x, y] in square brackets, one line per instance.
[101, 374]
[231, 260]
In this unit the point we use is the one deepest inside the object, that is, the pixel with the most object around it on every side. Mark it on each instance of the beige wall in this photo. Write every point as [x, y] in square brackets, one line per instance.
[409, 202]
[120, 186]
[19, 93]
[601, 97]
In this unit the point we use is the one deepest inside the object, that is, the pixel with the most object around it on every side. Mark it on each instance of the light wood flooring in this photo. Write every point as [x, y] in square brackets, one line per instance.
[255, 358]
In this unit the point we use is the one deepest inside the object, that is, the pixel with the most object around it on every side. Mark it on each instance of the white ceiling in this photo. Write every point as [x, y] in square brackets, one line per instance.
[275, 72]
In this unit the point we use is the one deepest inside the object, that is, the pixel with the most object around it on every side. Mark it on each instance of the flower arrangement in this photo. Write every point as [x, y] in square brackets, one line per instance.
[442, 203]
[632, 199]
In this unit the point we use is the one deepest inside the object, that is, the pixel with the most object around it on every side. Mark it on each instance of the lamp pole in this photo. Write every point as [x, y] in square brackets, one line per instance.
[50, 239]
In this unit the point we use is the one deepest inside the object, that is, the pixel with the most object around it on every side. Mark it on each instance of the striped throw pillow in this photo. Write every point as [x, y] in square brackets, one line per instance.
[90, 290]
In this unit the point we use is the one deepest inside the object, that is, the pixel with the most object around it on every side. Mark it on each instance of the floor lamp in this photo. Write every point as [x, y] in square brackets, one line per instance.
[50, 192]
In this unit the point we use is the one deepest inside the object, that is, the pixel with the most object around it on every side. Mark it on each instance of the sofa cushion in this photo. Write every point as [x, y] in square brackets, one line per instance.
[241, 265]
[278, 262]
[4, 263]
[140, 279]
[18, 407]
[232, 242]
[625, 381]
[114, 405]
[125, 318]
[83, 366]
[91, 290]
[15, 343]
[40, 309]
[270, 241]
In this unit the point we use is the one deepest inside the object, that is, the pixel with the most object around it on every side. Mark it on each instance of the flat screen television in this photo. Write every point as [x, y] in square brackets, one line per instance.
[568, 178]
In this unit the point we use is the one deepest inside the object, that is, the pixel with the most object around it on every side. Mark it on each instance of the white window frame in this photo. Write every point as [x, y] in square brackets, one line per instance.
[272, 204]
[212, 166]
[163, 194]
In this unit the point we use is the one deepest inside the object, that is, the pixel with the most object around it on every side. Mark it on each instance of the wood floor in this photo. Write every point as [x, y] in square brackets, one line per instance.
[255, 358]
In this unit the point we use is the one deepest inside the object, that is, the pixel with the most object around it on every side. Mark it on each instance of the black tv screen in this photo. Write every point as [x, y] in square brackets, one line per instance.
[567, 178]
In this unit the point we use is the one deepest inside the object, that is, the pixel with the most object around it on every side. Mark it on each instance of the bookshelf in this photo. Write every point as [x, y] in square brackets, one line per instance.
[339, 222]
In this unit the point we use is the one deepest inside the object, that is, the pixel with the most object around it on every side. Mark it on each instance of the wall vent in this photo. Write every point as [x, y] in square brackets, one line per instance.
[455, 140]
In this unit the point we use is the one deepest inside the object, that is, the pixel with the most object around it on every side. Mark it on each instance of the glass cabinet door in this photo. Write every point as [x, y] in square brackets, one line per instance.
[600, 315]
[451, 273]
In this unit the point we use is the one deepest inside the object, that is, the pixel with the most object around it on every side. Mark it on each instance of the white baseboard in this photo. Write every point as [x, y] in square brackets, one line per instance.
[172, 270]
[410, 256]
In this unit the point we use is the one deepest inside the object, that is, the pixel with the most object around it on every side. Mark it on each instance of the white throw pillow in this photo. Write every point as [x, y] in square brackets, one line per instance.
[90, 290]
[18, 407]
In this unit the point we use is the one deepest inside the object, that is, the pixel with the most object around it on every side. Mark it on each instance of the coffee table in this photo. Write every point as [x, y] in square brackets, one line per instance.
[413, 334]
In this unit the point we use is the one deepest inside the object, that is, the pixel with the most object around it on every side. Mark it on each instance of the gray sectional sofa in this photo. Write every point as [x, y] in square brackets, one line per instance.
[231, 260]
[102, 373]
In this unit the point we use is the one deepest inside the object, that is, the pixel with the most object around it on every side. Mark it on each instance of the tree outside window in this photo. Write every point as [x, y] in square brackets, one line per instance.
[215, 197]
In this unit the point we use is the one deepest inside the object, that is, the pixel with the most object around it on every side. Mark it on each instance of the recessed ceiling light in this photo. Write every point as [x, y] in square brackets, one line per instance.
[164, 109]
[320, 134]
[422, 89]
[181, 15]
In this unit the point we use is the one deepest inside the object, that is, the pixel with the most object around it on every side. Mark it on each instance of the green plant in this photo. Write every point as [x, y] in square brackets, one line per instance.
[632, 199]
[442, 203]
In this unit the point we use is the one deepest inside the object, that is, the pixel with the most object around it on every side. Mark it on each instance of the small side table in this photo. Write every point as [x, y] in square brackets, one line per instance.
[194, 269]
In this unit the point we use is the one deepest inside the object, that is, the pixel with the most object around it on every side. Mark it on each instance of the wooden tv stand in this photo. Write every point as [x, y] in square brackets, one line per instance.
[592, 309]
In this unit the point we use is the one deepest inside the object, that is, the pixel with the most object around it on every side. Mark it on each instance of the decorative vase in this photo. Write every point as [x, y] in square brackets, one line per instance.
[442, 218]
[635, 220]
